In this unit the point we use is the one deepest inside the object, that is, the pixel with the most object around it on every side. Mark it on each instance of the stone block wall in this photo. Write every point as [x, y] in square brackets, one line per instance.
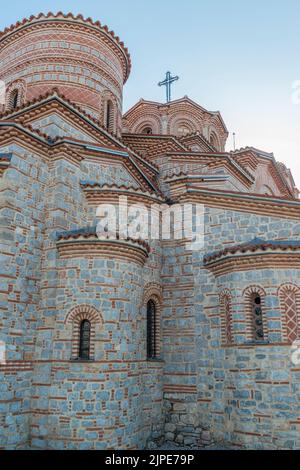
[21, 224]
[244, 394]
[50, 401]
[202, 390]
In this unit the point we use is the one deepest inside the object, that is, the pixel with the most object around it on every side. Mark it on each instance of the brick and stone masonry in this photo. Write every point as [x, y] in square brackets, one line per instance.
[64, 149]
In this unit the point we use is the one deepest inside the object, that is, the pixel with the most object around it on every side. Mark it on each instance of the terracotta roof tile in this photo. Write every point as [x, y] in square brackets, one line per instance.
[257, 244]
[91, 232]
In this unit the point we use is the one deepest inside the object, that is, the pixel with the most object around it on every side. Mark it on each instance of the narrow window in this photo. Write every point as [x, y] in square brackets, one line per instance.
[257, 319]
[14, 99]
[227, 311]
[147, 130]
[109, 116]
[84, 339]
[151, 330]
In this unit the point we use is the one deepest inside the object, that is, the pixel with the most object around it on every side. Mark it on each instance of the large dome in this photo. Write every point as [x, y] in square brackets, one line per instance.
[83, 59]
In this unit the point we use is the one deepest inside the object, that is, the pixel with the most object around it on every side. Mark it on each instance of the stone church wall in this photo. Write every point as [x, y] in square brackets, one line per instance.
[244, 393]
[47, 399]
[21, 224]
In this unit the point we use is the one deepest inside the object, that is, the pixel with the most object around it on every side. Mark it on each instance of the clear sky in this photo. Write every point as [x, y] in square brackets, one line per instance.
[240, 57]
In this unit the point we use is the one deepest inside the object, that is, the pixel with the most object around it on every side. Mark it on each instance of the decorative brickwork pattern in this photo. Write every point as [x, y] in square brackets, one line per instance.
[289, 296]
[81, 58]
[226, 317]
[179, 118]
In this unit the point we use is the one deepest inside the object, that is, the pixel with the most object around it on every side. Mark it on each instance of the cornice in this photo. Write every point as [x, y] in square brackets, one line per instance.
[10, 131]
[97, 192]
[239, 202]
[272, 167]
[43, 142]
[51, 101]
[272, 259]
[255, 245]
[32, 109]
[196, 137]
[84, 243]
[214, 159]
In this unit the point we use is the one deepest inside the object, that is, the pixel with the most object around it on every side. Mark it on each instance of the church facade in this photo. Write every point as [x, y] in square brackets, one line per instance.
[112, 343]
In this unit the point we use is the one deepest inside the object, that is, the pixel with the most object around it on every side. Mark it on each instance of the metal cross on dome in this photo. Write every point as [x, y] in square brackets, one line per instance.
[167, 83]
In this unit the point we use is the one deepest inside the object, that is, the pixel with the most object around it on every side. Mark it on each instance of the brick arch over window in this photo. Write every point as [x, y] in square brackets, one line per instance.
[75, 317]
[289, 297]
[225, 300]
[182, 126]
[265, 189]
[15, 95]
[214, 140]
[190, 119]
[147, 130]
[147, 120]
[249, 294]
[109, 111]
[153, 293]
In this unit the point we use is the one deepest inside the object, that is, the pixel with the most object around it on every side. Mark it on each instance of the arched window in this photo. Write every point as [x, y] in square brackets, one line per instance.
[256, 324]
[267, 190]
[289, 296]
[152, 308]
[147, 130]
[85, 339]
[151, 330]
[83, 321]
[15, 93]
[226, 317]
[257, 319]
[213, 140]
[13, 99]
[109, 116]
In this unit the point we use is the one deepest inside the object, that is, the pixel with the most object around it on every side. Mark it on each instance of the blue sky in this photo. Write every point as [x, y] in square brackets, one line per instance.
[239, 57]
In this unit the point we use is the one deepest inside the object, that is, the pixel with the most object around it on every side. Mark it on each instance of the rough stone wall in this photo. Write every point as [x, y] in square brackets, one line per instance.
[258, 385]
[46, 400]
[101, 399]
[21, 221]
[244, 394]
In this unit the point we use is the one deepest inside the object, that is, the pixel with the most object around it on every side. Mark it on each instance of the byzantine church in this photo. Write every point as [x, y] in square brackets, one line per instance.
[126, 343]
